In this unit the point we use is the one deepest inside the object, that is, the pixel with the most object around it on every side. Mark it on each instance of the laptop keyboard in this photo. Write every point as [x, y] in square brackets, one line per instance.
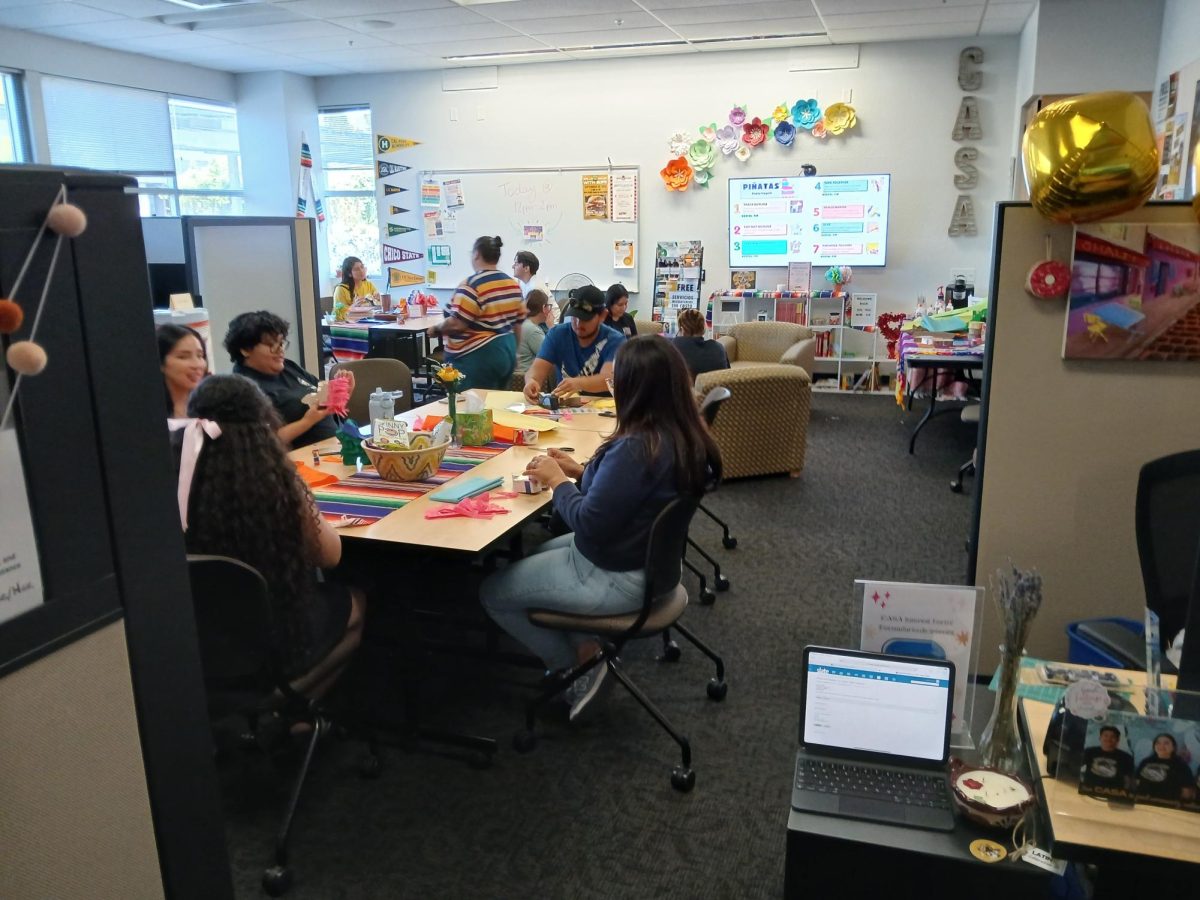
[881, 784]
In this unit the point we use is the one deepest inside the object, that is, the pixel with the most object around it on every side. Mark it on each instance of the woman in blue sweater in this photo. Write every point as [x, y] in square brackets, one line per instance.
[660, 449]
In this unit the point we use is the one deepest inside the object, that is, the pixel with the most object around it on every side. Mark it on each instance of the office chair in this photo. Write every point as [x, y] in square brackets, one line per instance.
[970, 416]
[1167, 522]
[389, 374]
[708, 408]
[243, 671]
[663, 602]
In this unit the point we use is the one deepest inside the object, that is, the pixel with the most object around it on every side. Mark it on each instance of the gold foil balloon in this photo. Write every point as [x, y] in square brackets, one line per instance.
[1090, 157]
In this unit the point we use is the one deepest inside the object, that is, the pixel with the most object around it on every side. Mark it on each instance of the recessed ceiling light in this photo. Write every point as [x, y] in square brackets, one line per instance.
[618, 22]
[378, 23]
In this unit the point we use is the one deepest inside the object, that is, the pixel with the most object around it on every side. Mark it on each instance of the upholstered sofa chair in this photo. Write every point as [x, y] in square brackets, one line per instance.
[770, 343]
[762, 429]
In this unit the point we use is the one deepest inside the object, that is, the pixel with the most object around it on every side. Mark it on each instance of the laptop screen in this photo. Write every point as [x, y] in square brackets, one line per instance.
[868, 703]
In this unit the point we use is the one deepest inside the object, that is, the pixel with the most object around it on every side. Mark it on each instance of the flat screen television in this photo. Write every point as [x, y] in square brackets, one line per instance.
[836, 220]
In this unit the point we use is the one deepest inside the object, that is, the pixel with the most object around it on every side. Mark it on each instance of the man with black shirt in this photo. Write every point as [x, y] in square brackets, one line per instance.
[1107, 766]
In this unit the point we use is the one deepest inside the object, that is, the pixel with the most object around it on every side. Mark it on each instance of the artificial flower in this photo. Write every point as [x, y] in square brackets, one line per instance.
[728, 139]
[785, 133]
[754, 132]
[677, 174]
[806, 113]
[447, 374]
[708, 132]
[742, 153]
[840, 117]
[678, 143]
[819, 130]
[701, 154]
[782, 113]
[702, 177]
[737, 115]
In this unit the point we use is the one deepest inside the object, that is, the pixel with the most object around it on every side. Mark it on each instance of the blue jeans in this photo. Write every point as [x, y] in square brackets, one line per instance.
[557, 576]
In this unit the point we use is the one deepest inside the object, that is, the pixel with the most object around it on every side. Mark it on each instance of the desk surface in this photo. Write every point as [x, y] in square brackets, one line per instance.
[408, 525]
[1080, 823]
[413, 323]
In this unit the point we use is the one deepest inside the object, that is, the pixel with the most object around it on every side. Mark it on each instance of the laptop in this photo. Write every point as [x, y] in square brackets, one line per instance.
[875, 738]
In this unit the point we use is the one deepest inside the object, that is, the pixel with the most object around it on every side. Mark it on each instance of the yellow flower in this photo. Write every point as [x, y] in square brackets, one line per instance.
[782, 113]
[840, 117]
[448, 374]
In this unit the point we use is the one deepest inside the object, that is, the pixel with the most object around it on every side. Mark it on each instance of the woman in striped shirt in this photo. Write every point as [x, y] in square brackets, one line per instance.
[483, 321]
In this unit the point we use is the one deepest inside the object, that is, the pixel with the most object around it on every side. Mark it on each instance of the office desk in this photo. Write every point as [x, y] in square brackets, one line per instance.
[957, 366]
[828, 856]
[352, 340]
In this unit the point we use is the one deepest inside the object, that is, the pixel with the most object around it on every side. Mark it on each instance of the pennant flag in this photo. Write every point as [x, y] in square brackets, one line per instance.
[387, 169]
[399, 211]
[389, 189]
[400, 278]
[396, 254]
[304, 186]
[386, 143]
[394, 230]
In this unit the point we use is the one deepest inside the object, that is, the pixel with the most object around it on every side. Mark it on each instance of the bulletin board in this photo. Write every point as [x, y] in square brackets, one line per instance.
[540, 210]
[1061, 443]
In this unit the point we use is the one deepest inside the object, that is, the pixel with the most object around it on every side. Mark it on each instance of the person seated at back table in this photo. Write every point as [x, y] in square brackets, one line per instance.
[483, 321]
[246, 500]
[256, 342]
[580, 349]
[700, 355]
[617, 299]
[184, 364]
[533, 331]
[355, 289]
[659, 450]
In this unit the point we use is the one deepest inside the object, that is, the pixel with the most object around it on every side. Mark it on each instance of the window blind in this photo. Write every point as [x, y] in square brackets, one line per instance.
[103, 126]
[346, 138]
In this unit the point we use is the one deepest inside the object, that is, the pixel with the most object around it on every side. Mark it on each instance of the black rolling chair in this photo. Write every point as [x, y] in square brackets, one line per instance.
[709, 407]
[243, 674]
[663, 603]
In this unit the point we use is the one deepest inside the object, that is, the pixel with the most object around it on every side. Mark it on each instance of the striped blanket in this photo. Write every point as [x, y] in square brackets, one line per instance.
[349, 342]
[367, 496]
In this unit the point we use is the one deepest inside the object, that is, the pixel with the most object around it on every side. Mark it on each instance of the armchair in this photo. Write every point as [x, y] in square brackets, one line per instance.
[763, 426]
[770, 343]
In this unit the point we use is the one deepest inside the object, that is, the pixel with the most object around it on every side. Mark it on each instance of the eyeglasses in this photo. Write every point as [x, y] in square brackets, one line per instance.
[278, 346]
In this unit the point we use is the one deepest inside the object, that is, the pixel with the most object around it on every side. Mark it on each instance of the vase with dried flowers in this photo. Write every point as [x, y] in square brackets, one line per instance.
[1018, 597]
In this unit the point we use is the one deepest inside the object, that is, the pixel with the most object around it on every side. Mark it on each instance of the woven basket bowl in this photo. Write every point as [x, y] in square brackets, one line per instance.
[406, 465]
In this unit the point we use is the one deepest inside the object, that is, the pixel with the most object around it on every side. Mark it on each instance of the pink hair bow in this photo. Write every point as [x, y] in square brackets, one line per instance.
[194, 431]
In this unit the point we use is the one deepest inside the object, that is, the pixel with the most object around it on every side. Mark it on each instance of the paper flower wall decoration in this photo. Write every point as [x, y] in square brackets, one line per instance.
[701, 177]
[742, 153]
[754, 132]
[737, 115]
[806, 113]
[728, 139]
[679, 143]
[785, 133]
[819, 130]
[702, 155]
[677, 174]
[708, 132]
[839, 117]
[782, 113]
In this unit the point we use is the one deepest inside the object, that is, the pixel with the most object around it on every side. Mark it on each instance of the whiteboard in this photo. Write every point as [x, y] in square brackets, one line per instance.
[503, 203]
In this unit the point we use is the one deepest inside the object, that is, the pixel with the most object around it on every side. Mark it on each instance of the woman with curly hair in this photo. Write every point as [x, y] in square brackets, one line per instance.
[247, 501]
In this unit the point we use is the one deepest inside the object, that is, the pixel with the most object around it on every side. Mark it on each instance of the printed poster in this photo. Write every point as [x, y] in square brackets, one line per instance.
[433, 223]
[595, 196]
[862, 310]
[534, 233]
[20, 571]
[799, 276]
[623, 254]
[454, 193]
[431, 194]
[930, 620]
[439, 254]
[449, 222]
[743, 279]
[623, 190]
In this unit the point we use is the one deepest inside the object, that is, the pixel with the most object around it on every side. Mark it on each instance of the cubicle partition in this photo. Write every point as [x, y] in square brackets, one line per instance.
[240, 263]
[1061, 442]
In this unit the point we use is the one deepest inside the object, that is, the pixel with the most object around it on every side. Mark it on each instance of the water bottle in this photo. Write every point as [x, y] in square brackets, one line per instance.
[382, 404]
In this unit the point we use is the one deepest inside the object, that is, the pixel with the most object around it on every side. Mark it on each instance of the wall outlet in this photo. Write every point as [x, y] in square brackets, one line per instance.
[454, 114]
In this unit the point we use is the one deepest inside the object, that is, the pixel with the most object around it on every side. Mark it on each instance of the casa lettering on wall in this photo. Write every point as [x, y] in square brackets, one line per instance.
[967, 127]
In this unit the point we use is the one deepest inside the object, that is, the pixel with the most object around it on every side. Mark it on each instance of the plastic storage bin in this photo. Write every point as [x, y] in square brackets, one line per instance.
[1116, 642]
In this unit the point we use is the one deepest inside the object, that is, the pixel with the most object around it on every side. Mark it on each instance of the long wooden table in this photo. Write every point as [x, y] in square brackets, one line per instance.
[408, 525]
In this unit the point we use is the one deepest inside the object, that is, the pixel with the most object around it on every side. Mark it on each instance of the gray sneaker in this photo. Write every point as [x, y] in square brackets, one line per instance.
[586, 690]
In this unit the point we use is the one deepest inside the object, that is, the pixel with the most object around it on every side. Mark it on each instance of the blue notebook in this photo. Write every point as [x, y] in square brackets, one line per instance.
[463, 488]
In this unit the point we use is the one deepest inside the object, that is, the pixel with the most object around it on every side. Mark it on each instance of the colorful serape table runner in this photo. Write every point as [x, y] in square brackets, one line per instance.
[349, 342]
[365, 495]
[910, 346]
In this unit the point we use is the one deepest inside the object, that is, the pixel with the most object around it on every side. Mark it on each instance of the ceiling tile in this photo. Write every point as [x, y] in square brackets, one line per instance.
[255, 34]
[672, 50]
[118, 29]
[546, 9]
[335, 43]
[851, 7]
[470, 48]
[750, 28]
[44, 15]
[415, 18]
[599, 22]
[187, 40]
[1000, 26]
[328, 9]
[938, 16]
[9, 4]
[136, 9]
[798, 7]
[817, 40]
[730, 13]
[615, 36]
[902, 32]
[485, 28]
[1008, 11]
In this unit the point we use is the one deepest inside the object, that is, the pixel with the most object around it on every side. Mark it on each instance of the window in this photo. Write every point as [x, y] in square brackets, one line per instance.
[14, 146]
[348, 174]
[184, 153]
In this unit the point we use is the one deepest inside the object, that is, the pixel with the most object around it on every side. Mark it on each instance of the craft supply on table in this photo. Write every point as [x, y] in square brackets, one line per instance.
[524, 484]
[480, 507]
[466, 487]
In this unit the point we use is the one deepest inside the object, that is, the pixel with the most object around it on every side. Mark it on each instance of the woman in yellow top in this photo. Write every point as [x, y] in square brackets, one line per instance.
[355, 289]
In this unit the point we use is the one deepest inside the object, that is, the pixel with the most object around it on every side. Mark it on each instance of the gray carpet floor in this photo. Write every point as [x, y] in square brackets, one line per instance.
[590, 812]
